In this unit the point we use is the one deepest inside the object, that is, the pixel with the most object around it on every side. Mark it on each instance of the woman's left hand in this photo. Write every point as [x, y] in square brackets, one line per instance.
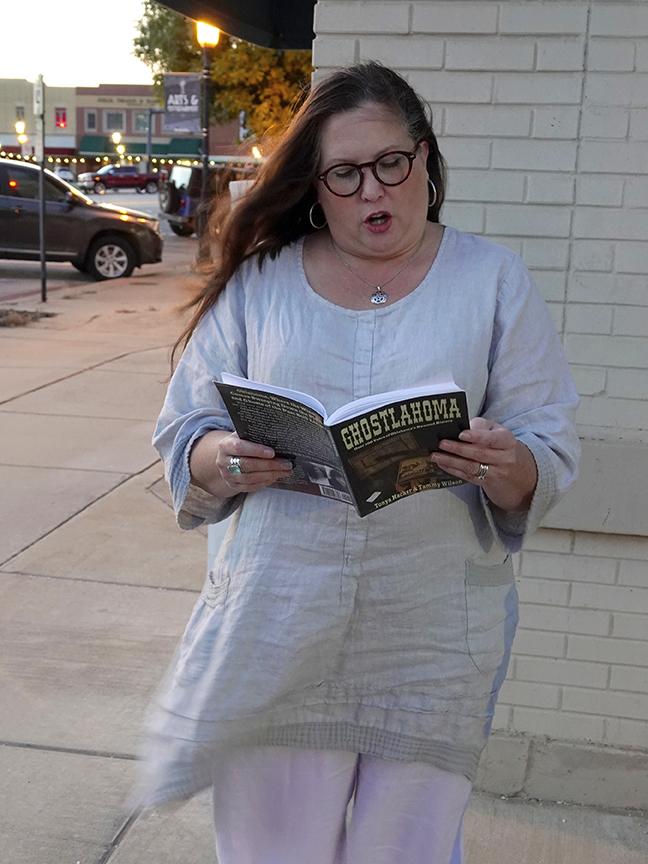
[490, 456]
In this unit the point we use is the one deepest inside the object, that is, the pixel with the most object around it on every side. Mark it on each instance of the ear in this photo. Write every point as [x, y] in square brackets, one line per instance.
[425, 150]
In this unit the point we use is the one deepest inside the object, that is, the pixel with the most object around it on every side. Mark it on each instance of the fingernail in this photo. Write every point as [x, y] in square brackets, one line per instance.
[465, 436]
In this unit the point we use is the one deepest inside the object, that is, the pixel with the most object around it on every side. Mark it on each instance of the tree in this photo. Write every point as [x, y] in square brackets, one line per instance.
[263, 82]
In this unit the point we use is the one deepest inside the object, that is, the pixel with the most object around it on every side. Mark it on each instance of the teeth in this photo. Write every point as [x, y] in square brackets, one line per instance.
[378, 220]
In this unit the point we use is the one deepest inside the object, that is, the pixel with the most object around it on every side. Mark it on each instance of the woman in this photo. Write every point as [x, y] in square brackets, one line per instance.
[332, 659]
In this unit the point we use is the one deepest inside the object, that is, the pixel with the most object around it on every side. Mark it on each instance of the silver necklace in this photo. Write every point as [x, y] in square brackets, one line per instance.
[378, 296]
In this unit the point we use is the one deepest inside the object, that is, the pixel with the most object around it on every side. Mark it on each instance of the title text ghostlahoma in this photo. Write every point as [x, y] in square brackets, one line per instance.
[383, 422]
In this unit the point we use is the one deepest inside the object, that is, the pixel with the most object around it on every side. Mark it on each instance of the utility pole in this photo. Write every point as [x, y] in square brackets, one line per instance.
[149, 137]
[39, 152]
[207, 37]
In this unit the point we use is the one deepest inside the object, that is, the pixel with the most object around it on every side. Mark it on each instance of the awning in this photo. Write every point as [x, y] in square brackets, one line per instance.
[270, 23]
[95, 145]
[139, 149]
[184, 147]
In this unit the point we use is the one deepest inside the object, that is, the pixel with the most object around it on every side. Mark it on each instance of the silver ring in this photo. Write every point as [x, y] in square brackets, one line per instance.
[234, 465]
[482, 471]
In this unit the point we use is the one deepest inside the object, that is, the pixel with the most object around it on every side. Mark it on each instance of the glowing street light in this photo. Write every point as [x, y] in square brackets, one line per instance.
[207, 35]
[20, 132]
[120, 148]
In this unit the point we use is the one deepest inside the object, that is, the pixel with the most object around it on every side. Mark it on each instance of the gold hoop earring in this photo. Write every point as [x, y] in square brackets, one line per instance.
[312, 221]
[434, 189]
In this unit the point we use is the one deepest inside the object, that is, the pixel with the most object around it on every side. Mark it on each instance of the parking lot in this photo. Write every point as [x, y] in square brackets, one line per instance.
[22, 278]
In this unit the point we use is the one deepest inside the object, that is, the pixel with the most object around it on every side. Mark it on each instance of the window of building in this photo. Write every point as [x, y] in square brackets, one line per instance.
[91, 121]
[20, 112]
[114, 121]
[60, 118]
[140, 121]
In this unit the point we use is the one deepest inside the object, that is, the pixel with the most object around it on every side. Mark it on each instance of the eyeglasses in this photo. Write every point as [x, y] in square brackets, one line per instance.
[391, 169]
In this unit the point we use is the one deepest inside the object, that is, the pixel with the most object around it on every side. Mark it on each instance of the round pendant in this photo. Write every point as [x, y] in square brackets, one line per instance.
[379, 297]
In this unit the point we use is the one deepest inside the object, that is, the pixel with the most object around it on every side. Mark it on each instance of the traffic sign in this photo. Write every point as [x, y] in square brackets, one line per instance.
[39, 152]
[39, 106]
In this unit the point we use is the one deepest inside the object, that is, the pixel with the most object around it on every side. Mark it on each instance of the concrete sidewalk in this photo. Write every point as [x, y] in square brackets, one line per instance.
[96, 584]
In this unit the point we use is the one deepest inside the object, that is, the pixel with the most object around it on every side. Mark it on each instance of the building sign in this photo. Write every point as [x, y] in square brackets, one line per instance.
[123, 101]
[182, 103]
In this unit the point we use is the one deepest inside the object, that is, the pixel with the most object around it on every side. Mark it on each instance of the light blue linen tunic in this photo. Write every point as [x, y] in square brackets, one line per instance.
[388, 635]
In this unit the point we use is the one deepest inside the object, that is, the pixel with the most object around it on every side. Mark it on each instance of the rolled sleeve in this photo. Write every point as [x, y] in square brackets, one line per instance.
[531, 392]
[193, 406]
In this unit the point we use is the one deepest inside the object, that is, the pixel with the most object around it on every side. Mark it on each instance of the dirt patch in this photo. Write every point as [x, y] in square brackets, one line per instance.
[21, 317]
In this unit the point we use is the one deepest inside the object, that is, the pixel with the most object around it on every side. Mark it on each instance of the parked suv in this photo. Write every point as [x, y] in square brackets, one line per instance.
[100, 239]
[117, 177]
[180, 191]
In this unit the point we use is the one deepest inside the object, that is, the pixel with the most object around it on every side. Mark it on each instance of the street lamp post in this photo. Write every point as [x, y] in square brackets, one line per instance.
[207, 37]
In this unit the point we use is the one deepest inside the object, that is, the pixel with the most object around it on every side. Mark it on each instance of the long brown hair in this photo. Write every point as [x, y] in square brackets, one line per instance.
[274, 212]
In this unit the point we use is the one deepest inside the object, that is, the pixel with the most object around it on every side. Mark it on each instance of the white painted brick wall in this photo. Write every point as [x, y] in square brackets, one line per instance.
[555, 122]
[601, 121]
[599, 191]
[619, 19]
[611, 55]
[560, 55]
[639, 124]
[541, 109]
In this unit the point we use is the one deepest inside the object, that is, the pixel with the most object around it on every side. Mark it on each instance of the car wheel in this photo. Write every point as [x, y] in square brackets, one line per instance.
[151, 187]
[99, 188]
[169, 198]
[111, 257]
[185, 230]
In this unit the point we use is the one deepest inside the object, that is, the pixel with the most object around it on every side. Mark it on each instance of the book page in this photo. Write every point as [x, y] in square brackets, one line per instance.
[294, 431]
[296, 395]
[369, 403]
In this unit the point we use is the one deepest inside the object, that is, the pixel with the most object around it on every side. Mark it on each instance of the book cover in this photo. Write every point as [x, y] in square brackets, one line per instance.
[369, 453]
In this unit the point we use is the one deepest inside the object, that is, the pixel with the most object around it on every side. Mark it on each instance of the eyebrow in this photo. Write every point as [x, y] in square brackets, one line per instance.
[390, 149]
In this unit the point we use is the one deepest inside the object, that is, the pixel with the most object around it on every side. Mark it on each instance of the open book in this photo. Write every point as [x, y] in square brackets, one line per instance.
[368, 453]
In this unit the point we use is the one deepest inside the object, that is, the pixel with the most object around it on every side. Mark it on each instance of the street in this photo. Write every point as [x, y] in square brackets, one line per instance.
[22, 278]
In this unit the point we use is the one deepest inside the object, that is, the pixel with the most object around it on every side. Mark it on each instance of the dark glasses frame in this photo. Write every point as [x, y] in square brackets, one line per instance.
[360, 167]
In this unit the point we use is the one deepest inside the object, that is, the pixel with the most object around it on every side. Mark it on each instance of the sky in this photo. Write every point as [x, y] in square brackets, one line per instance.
[71, 42]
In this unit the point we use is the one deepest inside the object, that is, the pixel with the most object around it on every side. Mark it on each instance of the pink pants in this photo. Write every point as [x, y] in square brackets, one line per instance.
[283, 805]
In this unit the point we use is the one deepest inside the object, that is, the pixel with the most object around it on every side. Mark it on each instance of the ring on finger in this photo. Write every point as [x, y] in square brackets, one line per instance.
[482, 471]
[234, 465]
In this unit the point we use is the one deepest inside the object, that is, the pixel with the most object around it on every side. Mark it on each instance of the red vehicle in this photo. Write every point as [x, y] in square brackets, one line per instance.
[117, 177]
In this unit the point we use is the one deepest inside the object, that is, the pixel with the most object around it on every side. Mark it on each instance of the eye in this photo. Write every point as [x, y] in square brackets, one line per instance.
[342, 172]
[392, 161]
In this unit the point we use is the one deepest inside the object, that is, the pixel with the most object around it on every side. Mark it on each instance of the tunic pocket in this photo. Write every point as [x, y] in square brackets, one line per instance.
[215, 590]
[491, 613]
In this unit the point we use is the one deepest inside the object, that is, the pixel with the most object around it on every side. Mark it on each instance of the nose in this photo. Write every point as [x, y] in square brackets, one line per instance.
[371, 189]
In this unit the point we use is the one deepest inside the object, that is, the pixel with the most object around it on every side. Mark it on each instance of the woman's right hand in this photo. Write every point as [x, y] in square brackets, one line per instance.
[210, 458]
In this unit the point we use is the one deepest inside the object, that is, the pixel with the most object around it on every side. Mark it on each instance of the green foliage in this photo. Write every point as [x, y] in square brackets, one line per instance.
[263, 82]
[166, 42]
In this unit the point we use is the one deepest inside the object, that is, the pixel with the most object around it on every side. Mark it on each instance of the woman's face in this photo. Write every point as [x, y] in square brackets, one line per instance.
[378, 221]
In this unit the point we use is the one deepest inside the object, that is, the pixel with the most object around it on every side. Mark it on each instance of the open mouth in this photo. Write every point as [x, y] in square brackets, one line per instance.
[377, 218]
